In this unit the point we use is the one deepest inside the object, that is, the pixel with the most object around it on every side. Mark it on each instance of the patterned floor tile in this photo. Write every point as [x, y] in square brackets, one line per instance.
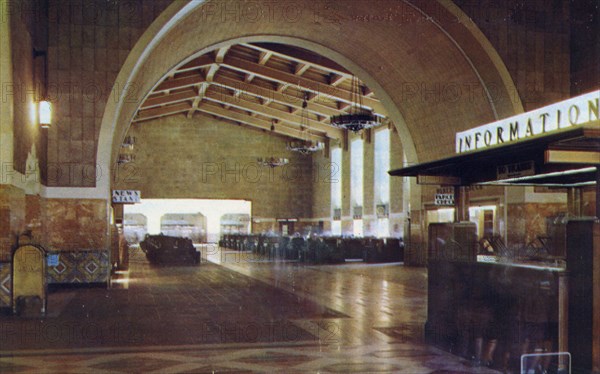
[276, 359]
[135, 365]
[242, 317]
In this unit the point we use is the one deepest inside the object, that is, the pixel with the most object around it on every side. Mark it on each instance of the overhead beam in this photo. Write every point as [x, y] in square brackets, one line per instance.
[157, 101]
[145, 115]
[212, 70]
[178, 83]
[220, 54]
[303, 83]
[255, 122]
[335, 79]
[273, 95]
[264, 57]
[201, 92]
[292, 119]
[196, 63]
[293, 54]
[301, 68]
[239, 87]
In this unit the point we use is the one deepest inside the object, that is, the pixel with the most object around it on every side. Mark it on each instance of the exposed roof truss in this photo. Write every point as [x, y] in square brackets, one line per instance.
[258, 85]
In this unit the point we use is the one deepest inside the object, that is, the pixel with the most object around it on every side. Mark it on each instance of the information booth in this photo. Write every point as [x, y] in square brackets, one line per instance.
[521, 299]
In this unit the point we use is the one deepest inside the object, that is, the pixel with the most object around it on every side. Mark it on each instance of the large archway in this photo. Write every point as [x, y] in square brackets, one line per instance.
[432, 69]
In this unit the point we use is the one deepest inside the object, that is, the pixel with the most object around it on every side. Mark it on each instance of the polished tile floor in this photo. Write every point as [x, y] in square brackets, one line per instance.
[233, 314]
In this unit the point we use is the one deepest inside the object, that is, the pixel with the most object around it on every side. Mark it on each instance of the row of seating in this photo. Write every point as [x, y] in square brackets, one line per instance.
[317, 249]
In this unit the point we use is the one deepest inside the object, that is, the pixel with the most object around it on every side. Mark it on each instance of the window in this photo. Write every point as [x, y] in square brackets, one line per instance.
[357, 228]
[336, 189]
[336, 179]
[382, 178]
[356, 184]
[383, 227]
[336, 228]
[356, 172]
[382, 166]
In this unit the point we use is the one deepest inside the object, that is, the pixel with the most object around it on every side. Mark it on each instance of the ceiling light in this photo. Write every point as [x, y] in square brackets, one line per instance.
[358, 118]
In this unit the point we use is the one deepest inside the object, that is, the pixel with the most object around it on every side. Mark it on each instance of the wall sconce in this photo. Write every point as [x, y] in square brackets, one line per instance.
[45, 114]
[44, 106]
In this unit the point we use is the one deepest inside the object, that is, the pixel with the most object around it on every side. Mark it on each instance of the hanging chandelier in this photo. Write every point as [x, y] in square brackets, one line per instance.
[125, 158]
[272, 161]
[126, 154]
[129, 142]
[357, 118]
[304, 146]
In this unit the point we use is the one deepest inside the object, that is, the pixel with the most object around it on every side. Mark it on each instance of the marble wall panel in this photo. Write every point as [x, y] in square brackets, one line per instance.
[75, 224]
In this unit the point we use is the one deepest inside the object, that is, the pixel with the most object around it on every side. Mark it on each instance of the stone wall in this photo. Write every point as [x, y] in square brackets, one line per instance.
[74, 224]
[28, 24]
[12, 218]
[585, 46]
[589, 202]
[533, 39]
[88, 41]
[206, 158]
[528, 221]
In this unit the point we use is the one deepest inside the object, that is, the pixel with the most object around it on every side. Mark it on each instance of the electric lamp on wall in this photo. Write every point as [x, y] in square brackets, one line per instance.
[45, 114]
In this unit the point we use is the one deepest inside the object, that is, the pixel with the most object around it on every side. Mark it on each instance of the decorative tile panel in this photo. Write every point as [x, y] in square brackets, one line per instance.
[5, 284]
[91, 266]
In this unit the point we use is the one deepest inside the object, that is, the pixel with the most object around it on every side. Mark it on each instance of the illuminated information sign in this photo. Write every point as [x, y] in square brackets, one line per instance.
[573, 112]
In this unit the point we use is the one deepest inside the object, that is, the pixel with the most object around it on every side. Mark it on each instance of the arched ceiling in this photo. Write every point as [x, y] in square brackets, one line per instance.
[259, 84]
[431, 68]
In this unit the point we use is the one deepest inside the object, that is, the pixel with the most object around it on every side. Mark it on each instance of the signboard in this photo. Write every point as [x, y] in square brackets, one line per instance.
[573, 112]
[52, 259]
[126, 196]
[444, 199]
[517, 170]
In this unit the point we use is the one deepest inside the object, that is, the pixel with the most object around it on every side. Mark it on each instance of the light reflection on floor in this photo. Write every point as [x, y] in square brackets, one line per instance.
[361, 318]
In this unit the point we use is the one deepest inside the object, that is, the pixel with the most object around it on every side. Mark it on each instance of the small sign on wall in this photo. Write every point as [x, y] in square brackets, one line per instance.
[126, 196]
[517, 170]
[444, 199]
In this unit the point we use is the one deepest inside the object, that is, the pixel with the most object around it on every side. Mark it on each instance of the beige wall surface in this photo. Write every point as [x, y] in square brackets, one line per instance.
[27, 88]
[206, 158]
[88, 42]
[533, 39]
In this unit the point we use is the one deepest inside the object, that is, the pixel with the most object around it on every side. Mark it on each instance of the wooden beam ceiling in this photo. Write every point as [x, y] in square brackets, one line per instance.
[292, 119]
[310, 85]
[280, 129]
[259, 84]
